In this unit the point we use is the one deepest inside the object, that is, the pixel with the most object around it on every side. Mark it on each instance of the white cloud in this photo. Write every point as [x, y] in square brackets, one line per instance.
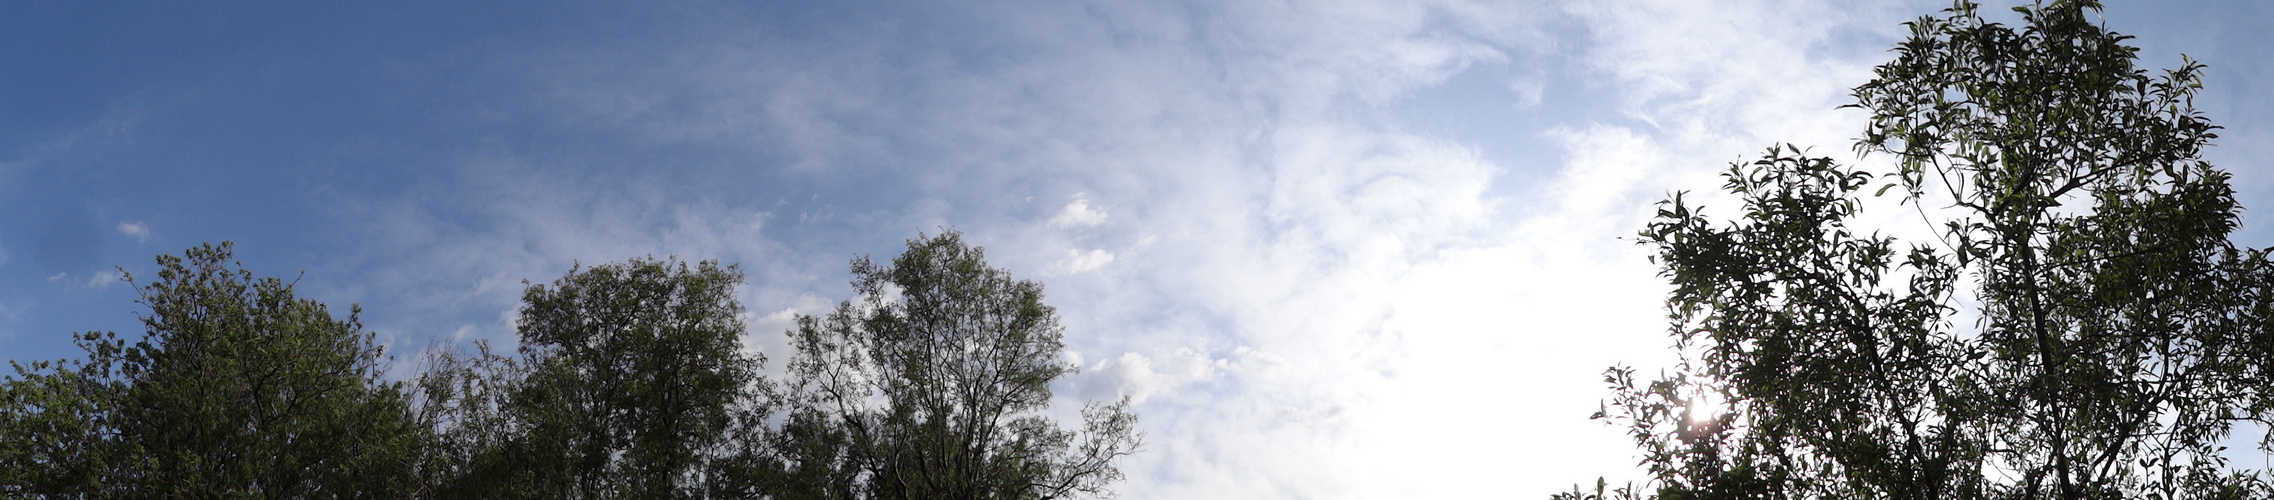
[1078, 262]
[101, 279]
[1078, 214]
[140, 231]
[1139, 377]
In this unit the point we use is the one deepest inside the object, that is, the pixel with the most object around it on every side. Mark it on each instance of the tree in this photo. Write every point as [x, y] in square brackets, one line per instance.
[57, 433]
[2117, 335]
[466, 399]
[238, 389]
[932, 384]
[631, 376]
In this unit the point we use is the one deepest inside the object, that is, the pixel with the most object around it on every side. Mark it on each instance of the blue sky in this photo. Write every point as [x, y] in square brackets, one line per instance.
[1335, 249]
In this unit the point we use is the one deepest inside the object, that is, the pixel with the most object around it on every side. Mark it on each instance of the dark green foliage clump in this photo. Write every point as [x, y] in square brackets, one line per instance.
[237, 389]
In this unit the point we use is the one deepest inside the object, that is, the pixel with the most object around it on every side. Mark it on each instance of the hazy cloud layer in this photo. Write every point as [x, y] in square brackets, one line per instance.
[1362, 249]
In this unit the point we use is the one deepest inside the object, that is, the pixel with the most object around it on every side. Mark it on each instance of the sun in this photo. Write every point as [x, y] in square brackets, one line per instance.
[1705, 408]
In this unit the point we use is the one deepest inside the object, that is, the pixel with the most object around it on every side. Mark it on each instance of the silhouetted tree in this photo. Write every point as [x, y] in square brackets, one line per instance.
[2116, 335]
[930, 387]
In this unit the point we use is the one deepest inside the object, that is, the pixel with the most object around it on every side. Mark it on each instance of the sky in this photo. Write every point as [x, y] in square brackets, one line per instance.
[1331, 249]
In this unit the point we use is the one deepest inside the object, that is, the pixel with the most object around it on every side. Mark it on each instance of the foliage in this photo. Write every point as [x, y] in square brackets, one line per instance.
[238, 389]
[932, 384]
[629, 382]
[465, 399]
[60, 435]
[630, 377]
[2118, 335]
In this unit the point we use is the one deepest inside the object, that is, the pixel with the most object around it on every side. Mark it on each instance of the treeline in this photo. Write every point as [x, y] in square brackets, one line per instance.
[629, 382]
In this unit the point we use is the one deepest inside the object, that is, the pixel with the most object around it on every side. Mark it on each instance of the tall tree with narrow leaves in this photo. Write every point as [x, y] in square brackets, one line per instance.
[2116, 335]
[932, 384]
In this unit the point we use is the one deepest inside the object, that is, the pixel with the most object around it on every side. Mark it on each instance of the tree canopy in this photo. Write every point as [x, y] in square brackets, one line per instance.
[238, 389]
[631, 380]
[930, 386]
[2079, 326]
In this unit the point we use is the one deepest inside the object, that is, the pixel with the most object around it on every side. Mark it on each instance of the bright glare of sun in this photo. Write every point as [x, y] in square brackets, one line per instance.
[1705, 407]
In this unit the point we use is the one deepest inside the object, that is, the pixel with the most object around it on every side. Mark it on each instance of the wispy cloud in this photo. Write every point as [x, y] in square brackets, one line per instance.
[1334, 249]
[1081, 262]
[1307, 302]
[97, 280]
[1308, 295]
[102, 279]
[136, 229]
